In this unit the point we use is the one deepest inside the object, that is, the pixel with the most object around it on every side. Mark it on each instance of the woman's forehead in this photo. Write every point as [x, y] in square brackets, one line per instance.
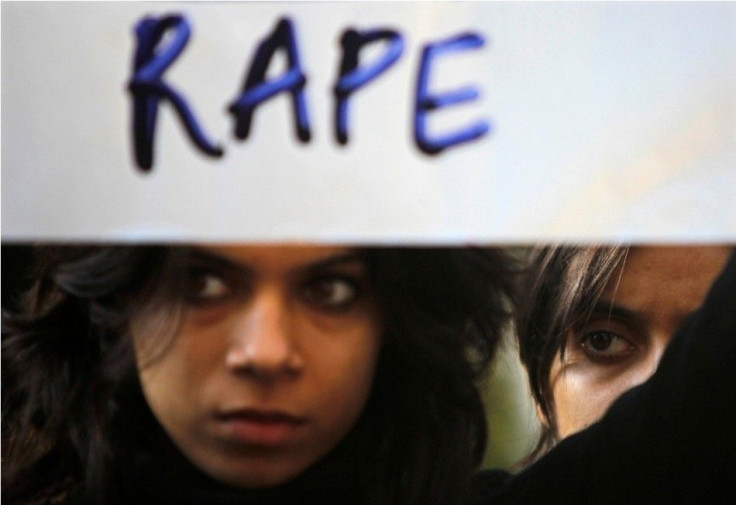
[665, 280]
[283, 257]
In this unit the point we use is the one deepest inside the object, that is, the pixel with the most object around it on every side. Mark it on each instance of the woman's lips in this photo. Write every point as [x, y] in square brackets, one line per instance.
[257, 427]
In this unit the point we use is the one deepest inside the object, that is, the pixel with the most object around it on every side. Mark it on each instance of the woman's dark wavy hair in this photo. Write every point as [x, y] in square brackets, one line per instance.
[66, 353]
[561, 286]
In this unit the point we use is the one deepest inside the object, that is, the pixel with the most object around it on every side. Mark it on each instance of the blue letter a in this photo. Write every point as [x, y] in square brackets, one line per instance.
[256, 90]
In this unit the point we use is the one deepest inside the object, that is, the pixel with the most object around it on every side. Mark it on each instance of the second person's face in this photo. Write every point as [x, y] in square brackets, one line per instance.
[272, 364]
[622, 343]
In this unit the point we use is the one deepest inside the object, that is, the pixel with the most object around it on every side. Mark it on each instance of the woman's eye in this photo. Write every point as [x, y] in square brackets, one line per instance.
[331, 292]
[605, 344]
[204, 286]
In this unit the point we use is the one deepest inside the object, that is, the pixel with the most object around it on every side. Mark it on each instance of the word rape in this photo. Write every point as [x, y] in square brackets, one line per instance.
[160, 41]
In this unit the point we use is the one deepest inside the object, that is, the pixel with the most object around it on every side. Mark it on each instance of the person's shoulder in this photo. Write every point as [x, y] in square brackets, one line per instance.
[487, 485]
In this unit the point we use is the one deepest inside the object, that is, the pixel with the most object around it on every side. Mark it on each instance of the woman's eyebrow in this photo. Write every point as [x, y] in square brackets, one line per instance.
[223, 262]
[340, 259]
[215, 260]
[610, 309]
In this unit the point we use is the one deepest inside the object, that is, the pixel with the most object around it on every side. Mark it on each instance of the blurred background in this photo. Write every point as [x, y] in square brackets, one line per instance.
[513, 425]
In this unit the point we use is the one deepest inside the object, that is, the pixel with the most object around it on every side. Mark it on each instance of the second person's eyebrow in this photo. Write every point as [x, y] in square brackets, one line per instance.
[611, 310]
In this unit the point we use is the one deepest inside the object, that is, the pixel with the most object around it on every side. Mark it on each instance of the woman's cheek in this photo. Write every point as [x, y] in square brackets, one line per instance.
[583, 393]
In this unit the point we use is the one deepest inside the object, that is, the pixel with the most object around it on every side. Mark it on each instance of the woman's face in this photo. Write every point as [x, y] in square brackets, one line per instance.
[272, 364]
[620, 346]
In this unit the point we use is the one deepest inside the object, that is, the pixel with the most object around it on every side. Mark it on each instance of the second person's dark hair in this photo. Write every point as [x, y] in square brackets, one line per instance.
[562, 285]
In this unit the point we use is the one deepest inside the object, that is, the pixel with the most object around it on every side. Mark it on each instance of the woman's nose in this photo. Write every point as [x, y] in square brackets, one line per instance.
[262, 338]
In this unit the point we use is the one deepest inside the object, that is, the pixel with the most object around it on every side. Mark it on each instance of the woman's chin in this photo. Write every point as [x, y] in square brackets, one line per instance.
[256, 472]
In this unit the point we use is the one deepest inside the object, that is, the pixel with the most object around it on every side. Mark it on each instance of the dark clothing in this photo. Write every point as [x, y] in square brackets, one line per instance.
[149, 468]
[670, 440]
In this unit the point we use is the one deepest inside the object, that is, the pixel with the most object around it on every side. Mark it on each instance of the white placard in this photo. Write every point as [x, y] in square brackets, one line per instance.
[605, 121]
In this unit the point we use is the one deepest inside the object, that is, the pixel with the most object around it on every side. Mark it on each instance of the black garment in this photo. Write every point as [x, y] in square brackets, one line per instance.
[670, 440]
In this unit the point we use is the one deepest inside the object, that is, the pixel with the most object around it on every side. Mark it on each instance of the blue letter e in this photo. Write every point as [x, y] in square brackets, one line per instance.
[426, 102]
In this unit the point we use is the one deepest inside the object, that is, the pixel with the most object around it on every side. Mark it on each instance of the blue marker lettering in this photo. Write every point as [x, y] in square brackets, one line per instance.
[148, 87]
[256, 91]
[352, 77]
[426, 102]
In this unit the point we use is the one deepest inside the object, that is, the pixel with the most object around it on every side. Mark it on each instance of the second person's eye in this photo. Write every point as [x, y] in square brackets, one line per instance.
[605, 345]
[331, 292]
